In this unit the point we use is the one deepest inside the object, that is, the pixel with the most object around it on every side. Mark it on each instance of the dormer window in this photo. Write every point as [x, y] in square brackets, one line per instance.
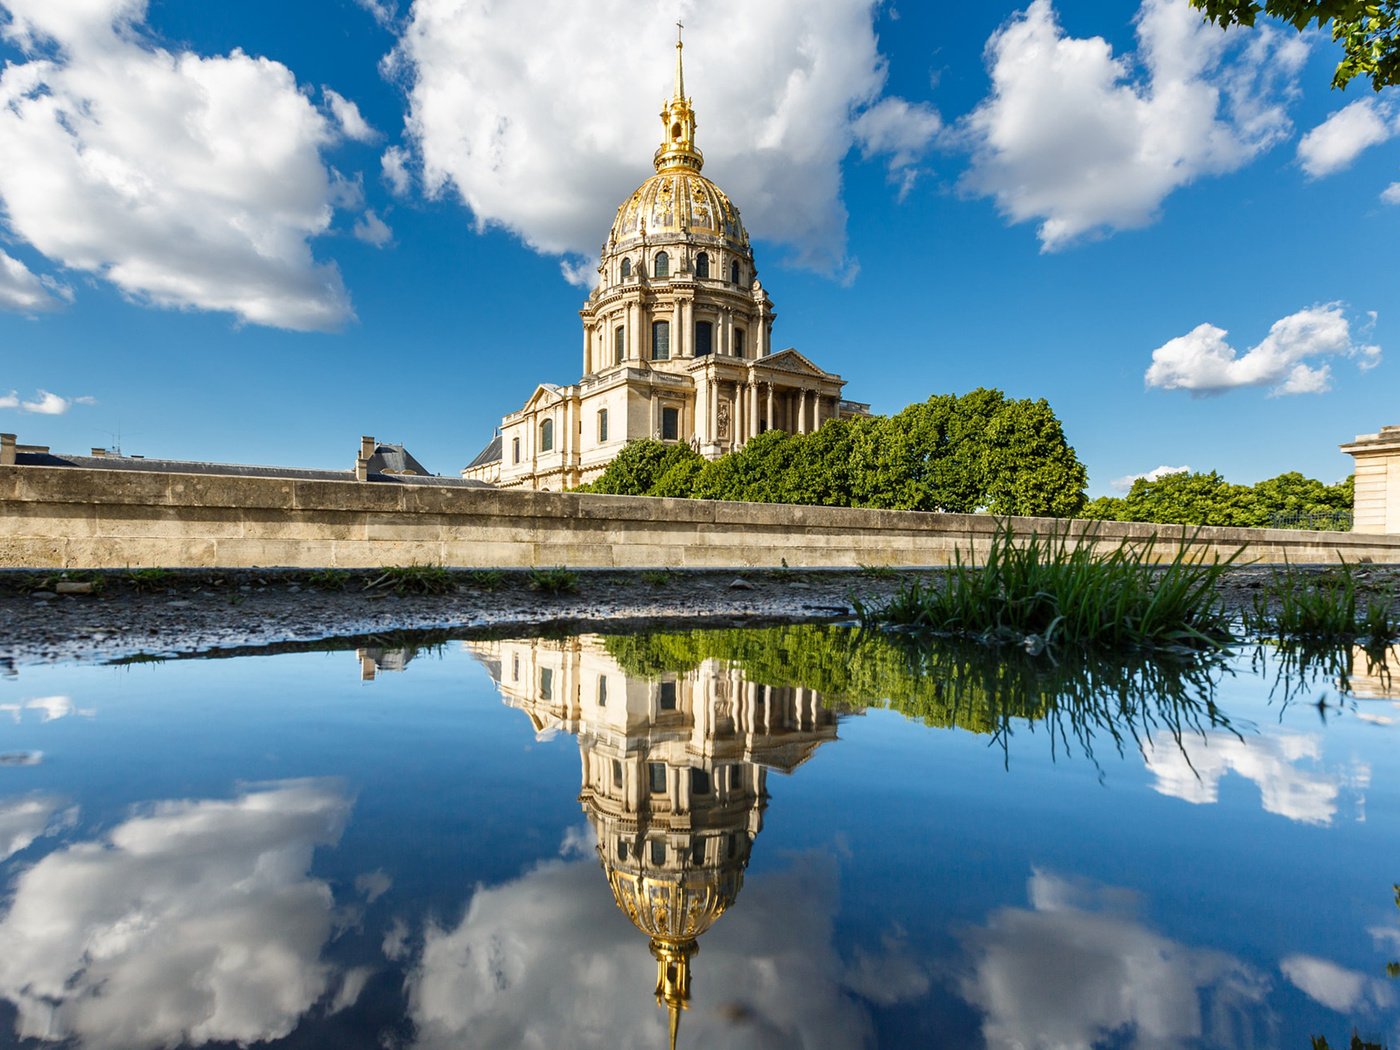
[662, 266]
[626, 268]
[734, 273]
[702, 265]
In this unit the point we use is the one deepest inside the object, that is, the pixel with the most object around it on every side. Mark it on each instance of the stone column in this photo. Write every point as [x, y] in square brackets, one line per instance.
[677, 329]
[1377, 499]
[629, 349]
[753, 409]
[736, 423]
[802, 411]
[712, 401]
[770, 406]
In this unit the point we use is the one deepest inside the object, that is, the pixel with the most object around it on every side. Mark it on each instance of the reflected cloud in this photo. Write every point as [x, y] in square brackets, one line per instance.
[1192, 769]
[48, 708]
[548, 960]
[194, 922]
[1078, 967]
[23, 820]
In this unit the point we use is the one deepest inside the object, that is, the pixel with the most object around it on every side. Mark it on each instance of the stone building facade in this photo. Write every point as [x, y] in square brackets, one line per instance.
[1377, 496]
[677, 338]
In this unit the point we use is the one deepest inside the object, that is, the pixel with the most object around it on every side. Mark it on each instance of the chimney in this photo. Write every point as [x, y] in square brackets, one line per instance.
[367, 446]
[7, 450]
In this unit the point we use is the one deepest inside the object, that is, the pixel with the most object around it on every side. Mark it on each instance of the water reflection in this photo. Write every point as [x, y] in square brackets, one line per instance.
[194, 922]
[674, 778]
[1079, 967]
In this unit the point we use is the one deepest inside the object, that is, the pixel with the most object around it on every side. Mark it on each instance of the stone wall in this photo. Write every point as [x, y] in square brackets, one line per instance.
[68, 517]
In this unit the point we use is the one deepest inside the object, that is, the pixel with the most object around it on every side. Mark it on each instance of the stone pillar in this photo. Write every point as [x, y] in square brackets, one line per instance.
[630, 347]
[753, 409]
[7, 450]
[727, 334]
[770, 406]
[677, 330]
[802, 411]
[712, 404]
[1377, 501]
[587, 347]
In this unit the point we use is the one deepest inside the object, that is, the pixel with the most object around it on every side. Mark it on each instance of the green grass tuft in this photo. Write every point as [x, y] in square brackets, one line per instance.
[1052, 591]
[1300, 606]
[558, 580]
[413, 579]
[487, 579]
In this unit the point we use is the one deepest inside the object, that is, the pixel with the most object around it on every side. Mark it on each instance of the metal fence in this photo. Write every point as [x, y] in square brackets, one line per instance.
[1321, 521]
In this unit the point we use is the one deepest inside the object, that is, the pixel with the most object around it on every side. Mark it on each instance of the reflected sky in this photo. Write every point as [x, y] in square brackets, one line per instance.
[783, 838]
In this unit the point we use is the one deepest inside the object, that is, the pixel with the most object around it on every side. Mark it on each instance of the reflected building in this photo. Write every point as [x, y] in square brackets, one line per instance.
[1372, 673]
[674, 777]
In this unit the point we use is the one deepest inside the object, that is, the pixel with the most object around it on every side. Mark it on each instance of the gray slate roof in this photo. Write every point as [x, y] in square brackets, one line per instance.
[240, 470]
[490, 454]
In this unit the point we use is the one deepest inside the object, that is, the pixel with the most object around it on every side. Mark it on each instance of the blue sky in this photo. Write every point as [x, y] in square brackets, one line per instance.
[252, 232]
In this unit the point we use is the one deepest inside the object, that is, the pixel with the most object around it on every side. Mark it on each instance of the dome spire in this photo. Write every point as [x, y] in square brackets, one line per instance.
[678, 151]
[680, 69]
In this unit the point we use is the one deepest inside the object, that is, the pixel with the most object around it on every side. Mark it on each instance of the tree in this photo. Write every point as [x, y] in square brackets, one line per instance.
[1368, 30]
[639, 467]
[1208, 499]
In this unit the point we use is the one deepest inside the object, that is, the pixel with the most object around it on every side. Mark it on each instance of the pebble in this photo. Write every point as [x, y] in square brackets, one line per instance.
[179, 603]
[740, 584]
[73, 587]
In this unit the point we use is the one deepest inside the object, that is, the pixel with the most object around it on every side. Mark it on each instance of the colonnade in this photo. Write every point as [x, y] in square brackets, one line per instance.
[757, 405]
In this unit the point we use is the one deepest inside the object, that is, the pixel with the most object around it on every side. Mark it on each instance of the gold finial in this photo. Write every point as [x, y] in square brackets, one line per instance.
[680, 71]
[678, 151]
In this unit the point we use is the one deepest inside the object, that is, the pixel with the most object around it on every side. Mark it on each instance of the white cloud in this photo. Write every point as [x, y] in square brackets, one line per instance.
[141, 165]
[1078, 970]
[1204, 363]
[385, 12]
[1335, 987]
[1081, 140]
[348, 116]
[371, 229]
[1125, 483]
[542, 124]
[900, 130]
[1391, 194]
[23, 820]
[44, 402]
[1335, 143]
[551, 952]
[196, 922]
[394, 167]
[26, 292]
[1191, 769]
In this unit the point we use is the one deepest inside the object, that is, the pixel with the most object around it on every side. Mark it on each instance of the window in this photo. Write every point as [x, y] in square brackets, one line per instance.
[602, 426]
[547, 435]
[621, 849]
[699, 782]
[617, 773]
[662, 266]
[658, 851]
[515, 450]
[546, 683]
[702, 265]
[668, 696]
[626, 268]
[738, 342]
[656, 778]
[670, 431]
[602, 690]
[661, 340]
[704, 338]
[697, 854]
[619, 344]
[734, 273]
[515, 667]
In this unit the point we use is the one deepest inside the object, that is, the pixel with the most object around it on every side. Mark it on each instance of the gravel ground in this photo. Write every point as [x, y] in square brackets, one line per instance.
[190, 612]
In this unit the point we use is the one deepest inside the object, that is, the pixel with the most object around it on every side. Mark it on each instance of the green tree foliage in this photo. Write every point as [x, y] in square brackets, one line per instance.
[1208, 499]
[1368, 30]
[980, 451]
[640, 467]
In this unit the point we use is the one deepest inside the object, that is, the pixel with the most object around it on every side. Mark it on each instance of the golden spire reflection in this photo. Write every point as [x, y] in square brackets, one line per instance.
[674, 776]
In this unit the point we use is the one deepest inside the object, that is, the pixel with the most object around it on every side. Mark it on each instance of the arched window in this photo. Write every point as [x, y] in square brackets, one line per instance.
[704, 338]
[626, 268]
[661, 340]
[619, 344]
[603, 438]
[547, 435]
[702, 265]
[662, 267]
[734, 273]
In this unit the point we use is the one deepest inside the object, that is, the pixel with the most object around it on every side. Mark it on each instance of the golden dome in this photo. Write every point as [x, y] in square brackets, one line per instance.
[678, 202]
[672, 906]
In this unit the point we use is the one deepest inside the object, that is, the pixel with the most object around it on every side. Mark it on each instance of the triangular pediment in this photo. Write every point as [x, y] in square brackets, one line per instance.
[545, 393]
[790, 360]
